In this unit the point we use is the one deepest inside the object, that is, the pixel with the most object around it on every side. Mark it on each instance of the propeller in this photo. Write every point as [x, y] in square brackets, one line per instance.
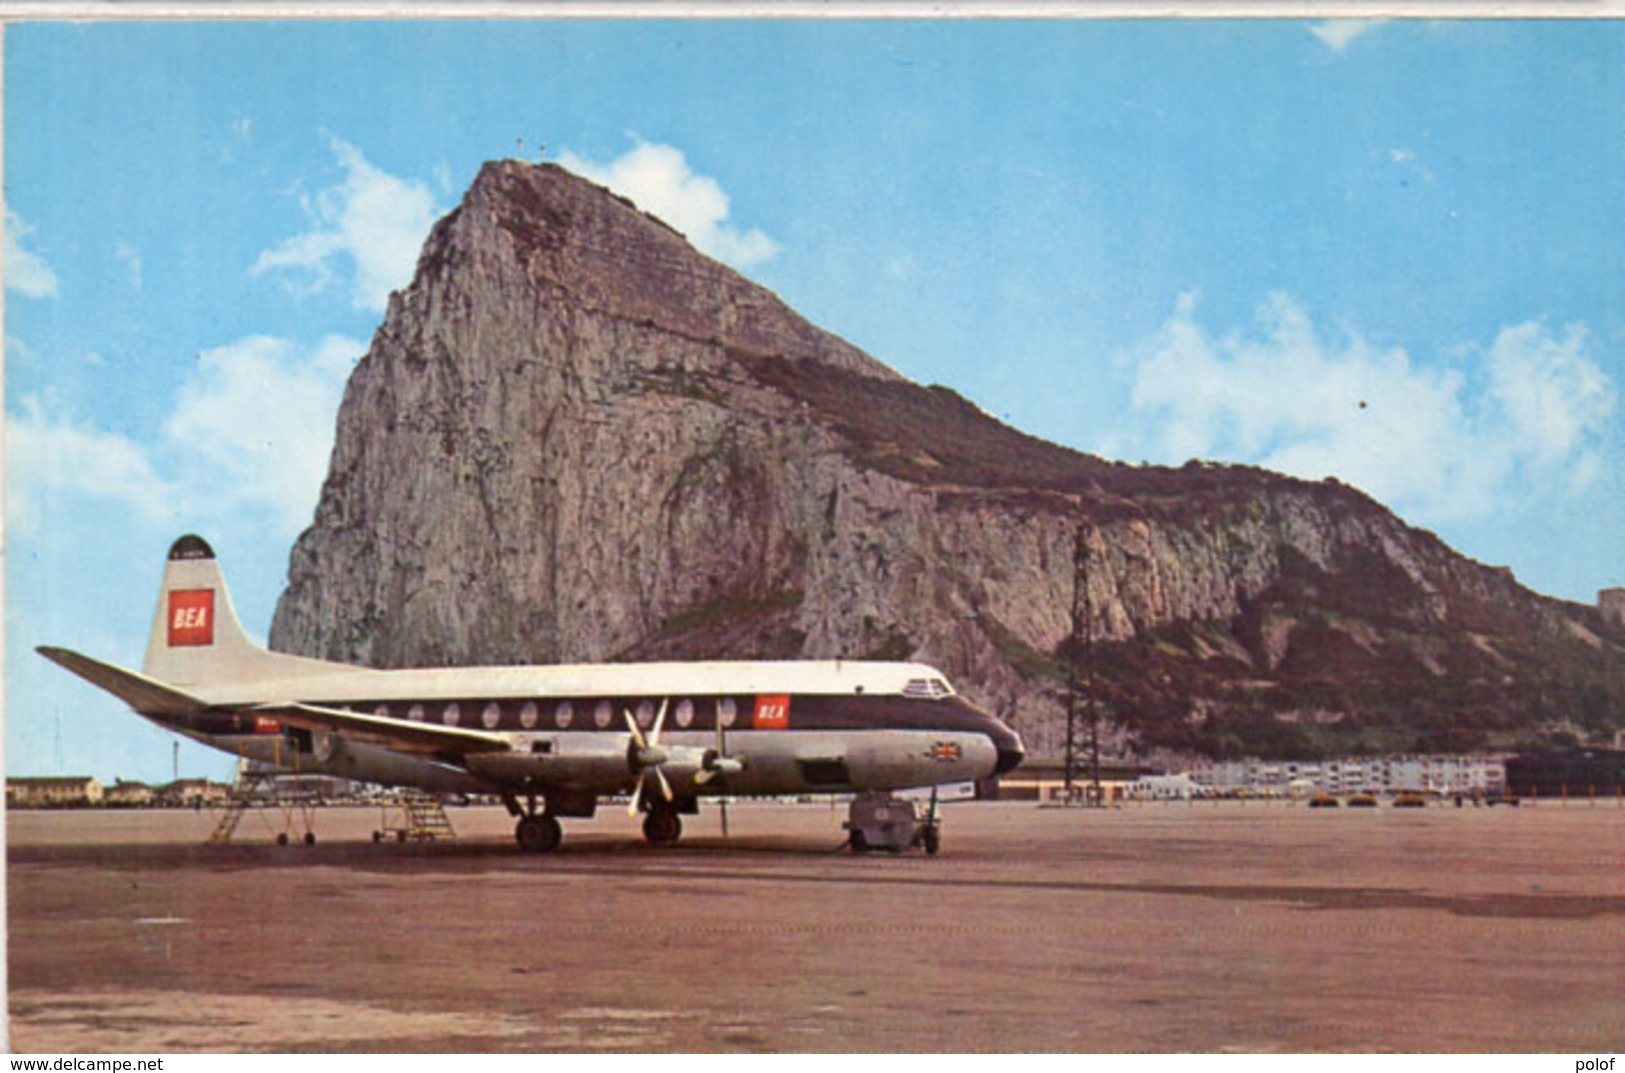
[645, 755]
[717, 762]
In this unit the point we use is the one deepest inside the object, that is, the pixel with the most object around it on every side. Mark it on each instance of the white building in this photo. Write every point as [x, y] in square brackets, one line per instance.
[1446, 775]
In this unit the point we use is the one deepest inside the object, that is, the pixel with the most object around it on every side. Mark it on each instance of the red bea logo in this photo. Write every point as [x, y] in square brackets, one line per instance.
[772, 713]
[191, 617]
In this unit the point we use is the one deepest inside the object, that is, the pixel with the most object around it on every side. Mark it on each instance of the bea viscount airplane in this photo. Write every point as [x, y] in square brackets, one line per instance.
[550, 741]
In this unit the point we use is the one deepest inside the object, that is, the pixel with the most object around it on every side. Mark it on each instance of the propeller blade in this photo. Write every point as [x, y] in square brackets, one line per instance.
[665, 787]
[632, 725]
[660, 718]
[723, 804]
[637, 799]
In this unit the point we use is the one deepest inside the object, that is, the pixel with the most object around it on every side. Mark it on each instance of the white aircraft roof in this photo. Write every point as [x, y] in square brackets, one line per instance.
[831, 677]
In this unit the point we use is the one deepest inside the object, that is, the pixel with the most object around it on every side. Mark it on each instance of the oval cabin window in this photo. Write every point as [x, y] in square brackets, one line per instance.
[528, 715]
[564, 715]
[415, 713]
[685, 713]
[602, 714]
[727, 711]
[453, 714]
[492, 715]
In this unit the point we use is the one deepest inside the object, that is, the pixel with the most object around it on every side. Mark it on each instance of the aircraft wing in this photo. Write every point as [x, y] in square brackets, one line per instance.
[422, 738]
[146, 695]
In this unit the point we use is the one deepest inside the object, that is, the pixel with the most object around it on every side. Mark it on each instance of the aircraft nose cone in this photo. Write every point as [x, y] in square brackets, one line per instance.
[1010, 749]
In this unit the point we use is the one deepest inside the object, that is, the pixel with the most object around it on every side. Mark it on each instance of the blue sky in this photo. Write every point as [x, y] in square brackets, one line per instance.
[1384, 251]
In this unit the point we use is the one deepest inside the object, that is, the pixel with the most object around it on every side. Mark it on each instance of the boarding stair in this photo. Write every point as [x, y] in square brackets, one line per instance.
[229, 819]
[414, 816]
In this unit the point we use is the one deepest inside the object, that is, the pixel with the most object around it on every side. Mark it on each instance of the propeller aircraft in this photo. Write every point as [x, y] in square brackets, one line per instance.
[550, 741]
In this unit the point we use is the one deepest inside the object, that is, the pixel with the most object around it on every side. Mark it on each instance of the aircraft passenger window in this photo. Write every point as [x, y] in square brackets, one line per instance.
[382, 711]
[602, 714]
[528, 715]
[727, 711]
[453, 714]
[492, 715]
[646, 713]
[685, 713]
[415, 713]
[564, 714]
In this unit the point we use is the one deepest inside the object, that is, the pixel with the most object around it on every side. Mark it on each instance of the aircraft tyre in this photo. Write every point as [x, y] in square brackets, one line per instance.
[538, 834]
[662, 827]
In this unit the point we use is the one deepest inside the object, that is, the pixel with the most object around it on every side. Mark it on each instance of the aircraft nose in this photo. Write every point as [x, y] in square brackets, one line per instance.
[1010, 749]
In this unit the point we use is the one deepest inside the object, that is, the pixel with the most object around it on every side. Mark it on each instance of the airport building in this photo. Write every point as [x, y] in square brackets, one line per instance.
[66, 791]
[194, 792]
[129, 794]
[1572, 772]
[1477, 775]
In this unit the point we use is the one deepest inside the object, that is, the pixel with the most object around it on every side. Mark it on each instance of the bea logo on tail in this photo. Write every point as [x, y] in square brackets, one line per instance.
[191, 617]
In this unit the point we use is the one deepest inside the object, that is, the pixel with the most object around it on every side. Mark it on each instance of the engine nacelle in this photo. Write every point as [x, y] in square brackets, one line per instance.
[596, 762]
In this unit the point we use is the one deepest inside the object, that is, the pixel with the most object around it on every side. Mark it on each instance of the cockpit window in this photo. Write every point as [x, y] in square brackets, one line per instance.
[927, 688]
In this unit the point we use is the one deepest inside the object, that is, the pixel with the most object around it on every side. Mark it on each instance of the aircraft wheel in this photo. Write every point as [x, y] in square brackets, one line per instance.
[310, 838]
[662, 827]
[538, 834]
[858, 843]
[282, 838]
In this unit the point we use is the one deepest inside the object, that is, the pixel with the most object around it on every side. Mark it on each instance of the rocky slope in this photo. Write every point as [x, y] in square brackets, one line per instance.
[575, 438]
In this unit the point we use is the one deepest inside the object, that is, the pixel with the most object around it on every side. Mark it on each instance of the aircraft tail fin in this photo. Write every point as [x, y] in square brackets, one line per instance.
[196, 638]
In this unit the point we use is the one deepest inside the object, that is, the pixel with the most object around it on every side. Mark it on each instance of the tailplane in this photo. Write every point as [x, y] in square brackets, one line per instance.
[196, 638]
[137, 690]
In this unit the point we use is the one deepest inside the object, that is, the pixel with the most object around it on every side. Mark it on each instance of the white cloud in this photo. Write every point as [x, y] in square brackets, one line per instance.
[26, 271]
[372, 221]
[132, 261]
[253, 428]
[52, 457]
[1409, 166]
[1554, 398]
[1337, 34]
[1437, 444]
[658, 179]
[246, 442]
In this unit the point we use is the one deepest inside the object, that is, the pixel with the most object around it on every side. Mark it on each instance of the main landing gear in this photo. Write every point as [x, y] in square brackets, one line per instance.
[662, 826]
[536, 832]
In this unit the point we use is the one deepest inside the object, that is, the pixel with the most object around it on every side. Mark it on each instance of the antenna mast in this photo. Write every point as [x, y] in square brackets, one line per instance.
[1082, 684]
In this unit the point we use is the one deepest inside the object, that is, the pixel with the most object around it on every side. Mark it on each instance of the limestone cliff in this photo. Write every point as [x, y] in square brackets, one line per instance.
[575, 438]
